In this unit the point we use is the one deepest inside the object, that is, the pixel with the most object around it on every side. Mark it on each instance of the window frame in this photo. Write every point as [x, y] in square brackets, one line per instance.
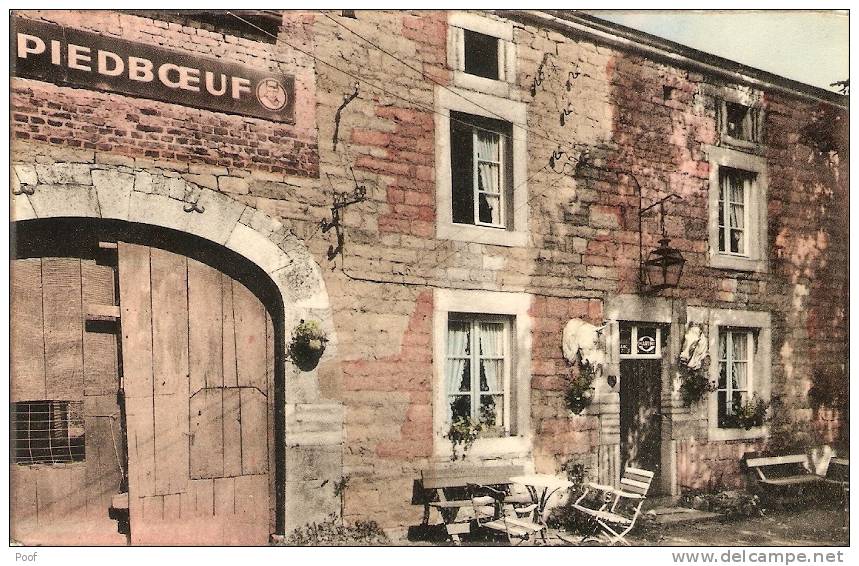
[514, 308]
[458, 23]
[753, 118]
[502, 179]
[760, 324]
[515, 233]
[475, 320]
[749, 336]
[725, 208]
[634, 354]
[756, 257]
[499, 54]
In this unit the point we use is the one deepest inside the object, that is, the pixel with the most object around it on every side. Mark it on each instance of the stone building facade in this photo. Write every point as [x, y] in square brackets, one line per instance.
[476, 176]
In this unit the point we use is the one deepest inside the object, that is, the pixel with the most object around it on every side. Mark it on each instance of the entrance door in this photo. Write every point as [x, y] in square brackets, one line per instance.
[197, 351]
[640, 398]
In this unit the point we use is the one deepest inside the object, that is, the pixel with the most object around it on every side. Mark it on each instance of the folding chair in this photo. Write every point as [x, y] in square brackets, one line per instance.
[618, 508]
[493, 511]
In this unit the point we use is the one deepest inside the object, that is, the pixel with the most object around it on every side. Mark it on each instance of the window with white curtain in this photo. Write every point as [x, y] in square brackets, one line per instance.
[737, 227]
[479, 156]
[477, 370]
[735, 187]
[735, 384]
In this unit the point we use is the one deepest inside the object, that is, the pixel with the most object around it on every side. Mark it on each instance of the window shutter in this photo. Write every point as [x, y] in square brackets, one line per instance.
[461, 172]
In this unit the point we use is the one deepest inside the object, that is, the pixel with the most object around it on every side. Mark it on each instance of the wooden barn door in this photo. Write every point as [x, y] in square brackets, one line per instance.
[198, 377]
[67, 454]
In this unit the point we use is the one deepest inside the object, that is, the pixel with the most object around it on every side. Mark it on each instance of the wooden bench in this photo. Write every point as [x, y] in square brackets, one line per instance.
[838, 476]
[446, 489]
[838, 471]
[776, 475]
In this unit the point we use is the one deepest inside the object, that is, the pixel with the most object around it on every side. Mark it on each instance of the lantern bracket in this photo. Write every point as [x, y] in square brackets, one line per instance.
[642, 211]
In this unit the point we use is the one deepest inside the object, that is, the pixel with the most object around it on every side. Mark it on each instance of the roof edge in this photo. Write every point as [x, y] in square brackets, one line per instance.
[616, 35]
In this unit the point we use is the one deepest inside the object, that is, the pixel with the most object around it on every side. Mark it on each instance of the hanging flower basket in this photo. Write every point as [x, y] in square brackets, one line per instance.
[308, 344]
[580, 391]
[694, 384]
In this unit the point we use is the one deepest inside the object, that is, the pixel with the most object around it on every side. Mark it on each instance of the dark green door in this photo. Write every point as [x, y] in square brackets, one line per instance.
[641, 414]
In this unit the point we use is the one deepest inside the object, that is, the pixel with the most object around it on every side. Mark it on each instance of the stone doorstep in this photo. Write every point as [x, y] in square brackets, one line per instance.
[677, 515]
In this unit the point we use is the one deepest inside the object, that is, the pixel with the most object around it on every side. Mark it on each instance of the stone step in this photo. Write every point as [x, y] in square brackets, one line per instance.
[677, 515]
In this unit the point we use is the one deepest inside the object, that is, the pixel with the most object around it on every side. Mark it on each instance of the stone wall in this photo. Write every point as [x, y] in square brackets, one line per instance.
[627, 114]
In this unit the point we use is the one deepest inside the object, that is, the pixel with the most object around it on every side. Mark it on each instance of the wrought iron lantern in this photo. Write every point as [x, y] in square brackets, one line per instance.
[663, 267]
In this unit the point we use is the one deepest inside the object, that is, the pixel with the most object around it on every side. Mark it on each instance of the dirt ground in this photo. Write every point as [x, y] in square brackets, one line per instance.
[811, 526]
[801, 527]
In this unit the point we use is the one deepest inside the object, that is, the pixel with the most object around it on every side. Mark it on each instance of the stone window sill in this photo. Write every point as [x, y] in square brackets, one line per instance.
[738, 433]
[481, 235]
[486, 448]
[736, 263]
[738, 143]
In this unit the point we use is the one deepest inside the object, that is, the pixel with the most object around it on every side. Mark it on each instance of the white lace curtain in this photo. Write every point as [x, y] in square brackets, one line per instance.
[488, 149]
[457, 354]
[492, 346]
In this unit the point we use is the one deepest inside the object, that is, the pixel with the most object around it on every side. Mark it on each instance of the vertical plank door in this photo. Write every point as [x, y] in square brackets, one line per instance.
[198, 395]
[56, 358]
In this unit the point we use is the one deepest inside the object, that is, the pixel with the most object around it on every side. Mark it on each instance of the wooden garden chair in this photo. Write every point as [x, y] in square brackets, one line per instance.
[493, 512]
[616, 512]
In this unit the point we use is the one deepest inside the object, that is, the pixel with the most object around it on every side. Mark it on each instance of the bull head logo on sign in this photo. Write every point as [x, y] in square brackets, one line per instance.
[582, 339]
[695, 347]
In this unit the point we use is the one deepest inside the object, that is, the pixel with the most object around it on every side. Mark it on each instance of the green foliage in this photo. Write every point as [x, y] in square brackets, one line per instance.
[827, 131]
[830, 388]
[463, 432]
[308, 343]
[580, 393]
[333, 532]
[565, 516]
[694, 384]
[748, 414]
[733, 505]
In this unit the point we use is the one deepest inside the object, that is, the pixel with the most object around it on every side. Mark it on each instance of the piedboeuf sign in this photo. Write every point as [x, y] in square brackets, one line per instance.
[66, 56]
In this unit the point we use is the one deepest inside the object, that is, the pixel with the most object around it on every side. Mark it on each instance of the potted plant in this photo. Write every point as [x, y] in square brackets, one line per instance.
[749, 414]
[308, 344]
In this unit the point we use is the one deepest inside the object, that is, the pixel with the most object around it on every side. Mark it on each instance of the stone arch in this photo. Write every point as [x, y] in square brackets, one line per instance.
[163, 198]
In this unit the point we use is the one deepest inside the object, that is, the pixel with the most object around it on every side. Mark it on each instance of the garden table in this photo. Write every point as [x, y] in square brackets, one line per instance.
[541, 487]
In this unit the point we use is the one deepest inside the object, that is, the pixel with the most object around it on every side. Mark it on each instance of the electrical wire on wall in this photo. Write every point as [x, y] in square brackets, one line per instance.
[558, 155]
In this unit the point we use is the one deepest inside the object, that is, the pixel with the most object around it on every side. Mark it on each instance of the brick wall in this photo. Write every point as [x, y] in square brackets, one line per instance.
[629, 114]
[137, 127]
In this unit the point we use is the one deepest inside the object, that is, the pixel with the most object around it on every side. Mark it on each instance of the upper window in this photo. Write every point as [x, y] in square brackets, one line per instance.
[735, 187]
[477, 371]
[738, 210]
[739, 123]
[481, 54]
[479, 157]
[735, 386]
[640, 341]
[47, 432]
[481, 160]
